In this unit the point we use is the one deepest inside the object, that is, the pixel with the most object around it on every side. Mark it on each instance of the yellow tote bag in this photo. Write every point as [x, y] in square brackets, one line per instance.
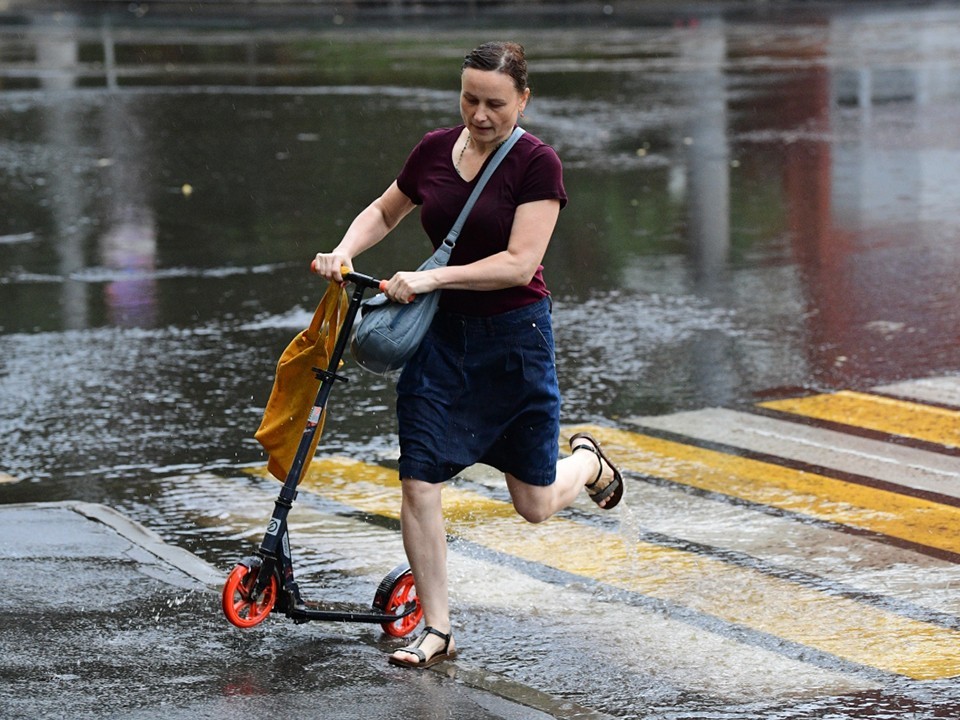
[295, 386]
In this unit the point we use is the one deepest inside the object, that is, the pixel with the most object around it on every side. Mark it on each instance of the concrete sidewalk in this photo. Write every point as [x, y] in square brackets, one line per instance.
[102, 619]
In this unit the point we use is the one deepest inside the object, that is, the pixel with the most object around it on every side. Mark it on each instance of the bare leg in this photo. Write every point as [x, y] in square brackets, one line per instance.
[425, 542]
[538, 503]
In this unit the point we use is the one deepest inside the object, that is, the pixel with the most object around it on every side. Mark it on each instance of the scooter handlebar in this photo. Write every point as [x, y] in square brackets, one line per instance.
[383, 288]
[359, 278]
[354, 277]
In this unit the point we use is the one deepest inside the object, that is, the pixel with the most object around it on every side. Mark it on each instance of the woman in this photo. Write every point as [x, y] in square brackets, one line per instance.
[482, 387]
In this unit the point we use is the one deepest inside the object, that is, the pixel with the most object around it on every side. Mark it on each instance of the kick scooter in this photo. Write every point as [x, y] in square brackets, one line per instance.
[264, 583]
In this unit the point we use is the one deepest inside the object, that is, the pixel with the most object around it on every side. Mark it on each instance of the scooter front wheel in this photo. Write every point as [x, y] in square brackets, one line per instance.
[237, 604]
[396, 594]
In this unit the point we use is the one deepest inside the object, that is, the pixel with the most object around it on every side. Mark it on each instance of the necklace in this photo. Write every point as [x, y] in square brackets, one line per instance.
[456, 165]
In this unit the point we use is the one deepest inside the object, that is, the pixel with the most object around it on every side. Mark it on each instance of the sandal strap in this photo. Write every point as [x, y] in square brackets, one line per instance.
[414, 649]
[614, 488]
[588, 446]
[605, 492]
[433, 631]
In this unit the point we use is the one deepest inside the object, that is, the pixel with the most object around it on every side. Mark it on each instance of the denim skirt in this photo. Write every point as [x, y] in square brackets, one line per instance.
[482, 390]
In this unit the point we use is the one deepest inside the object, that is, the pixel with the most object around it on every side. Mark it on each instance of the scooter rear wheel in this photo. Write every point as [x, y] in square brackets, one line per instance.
[237, 604]
[396, 594]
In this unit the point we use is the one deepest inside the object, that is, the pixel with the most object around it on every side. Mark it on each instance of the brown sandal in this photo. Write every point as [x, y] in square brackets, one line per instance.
[614, 488]
[424, 662]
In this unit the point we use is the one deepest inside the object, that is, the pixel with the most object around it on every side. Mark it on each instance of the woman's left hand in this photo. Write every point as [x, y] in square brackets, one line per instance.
[403, 287]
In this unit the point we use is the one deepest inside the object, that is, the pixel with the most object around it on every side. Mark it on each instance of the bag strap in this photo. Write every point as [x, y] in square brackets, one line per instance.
[329, 312]
[501, 153]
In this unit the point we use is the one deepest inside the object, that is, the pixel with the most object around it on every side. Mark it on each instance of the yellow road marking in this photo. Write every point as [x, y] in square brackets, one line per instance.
[741, 596]
[899, 516]
[896, 417]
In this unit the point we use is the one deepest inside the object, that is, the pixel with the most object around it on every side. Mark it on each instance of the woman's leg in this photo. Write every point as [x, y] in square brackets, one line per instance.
[536, 503]
[425, 542]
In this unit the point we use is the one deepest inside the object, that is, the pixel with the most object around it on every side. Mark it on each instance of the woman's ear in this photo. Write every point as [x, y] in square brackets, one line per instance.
[524, 99]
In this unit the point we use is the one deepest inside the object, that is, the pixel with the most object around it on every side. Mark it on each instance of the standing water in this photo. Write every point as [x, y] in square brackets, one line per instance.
[761, 204]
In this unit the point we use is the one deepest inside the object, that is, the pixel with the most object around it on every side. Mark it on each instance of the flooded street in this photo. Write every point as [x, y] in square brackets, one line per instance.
[764, 206]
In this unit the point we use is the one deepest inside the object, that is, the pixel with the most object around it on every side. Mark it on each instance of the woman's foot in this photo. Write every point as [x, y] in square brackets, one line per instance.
[430, 648]
[607, 488]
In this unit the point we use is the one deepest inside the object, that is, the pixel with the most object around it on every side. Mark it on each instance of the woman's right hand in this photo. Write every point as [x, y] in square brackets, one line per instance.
[327, 265]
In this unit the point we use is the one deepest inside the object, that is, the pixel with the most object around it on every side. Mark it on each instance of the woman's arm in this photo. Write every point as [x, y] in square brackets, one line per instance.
[369, 227]
[533, 225]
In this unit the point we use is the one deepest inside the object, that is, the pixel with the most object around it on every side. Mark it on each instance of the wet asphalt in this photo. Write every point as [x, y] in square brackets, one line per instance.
[108, 621]
[88, 589]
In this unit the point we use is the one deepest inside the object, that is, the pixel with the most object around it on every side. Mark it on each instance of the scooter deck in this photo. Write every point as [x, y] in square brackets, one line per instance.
[307, 612]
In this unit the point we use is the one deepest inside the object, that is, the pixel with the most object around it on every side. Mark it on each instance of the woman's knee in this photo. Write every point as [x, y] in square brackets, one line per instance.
[531, 503]
[420, 493]
[532, 512]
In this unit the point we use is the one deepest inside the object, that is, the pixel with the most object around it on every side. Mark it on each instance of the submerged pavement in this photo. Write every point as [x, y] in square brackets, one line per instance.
[104, 619]
[792, 557]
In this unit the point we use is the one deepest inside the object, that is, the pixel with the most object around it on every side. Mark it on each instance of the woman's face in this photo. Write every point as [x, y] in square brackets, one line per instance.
[490, 104]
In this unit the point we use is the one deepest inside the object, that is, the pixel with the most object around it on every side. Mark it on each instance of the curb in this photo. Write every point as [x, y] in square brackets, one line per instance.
[144, 538]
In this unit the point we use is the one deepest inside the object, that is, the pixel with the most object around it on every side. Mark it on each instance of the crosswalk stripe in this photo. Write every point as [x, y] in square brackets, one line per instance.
[896, 465]
[904, 517]
[741, 596]
[882, 414]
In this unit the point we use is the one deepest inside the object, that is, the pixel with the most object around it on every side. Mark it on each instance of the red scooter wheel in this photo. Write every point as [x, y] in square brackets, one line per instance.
[396, 594]
[237, 605]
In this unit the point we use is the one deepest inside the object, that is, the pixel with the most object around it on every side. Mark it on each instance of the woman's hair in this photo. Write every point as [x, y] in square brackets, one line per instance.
[505, 57]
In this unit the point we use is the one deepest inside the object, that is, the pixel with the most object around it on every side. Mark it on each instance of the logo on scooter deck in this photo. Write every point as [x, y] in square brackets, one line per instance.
[274, 527]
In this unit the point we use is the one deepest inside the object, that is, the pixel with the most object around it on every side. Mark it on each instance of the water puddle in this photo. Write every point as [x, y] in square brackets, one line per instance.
[757, 204]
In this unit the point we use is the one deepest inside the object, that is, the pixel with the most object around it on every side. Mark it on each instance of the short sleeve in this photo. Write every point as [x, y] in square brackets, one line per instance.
[410, 172]
[543, 179]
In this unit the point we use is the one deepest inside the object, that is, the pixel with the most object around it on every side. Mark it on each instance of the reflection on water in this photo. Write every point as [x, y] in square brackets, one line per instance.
[757, 204]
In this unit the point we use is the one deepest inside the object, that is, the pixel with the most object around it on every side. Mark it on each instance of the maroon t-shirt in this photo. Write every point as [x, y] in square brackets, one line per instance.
[531, 171]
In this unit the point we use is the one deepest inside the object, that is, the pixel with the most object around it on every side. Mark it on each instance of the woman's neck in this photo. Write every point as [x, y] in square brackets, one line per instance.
[484, 148]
